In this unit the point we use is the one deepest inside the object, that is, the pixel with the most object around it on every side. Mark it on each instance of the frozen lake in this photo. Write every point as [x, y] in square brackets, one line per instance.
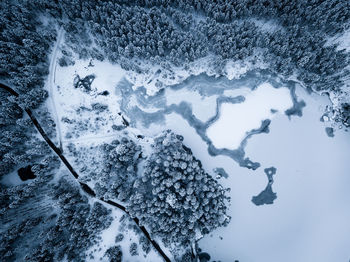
[309, 219]
[224, 113]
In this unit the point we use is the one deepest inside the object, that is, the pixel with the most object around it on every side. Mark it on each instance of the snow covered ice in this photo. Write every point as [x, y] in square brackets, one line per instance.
[236, 120]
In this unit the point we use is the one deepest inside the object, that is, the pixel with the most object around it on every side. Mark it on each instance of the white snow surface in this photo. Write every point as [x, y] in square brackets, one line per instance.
[50, 85]
[69, 99]
[12, 179]
[309, 220]
[130, 236]
[341, 40]
[238, 119]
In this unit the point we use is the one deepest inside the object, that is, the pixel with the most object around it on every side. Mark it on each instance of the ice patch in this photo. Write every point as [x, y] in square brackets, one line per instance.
[236, 120]
[203, 107]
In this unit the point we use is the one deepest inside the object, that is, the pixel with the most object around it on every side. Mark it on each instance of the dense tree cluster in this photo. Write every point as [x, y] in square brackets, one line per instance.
[45, 221]
[119, 237]
[24, 45]
[145, 244]
[328, 16]
[56, 221]
[76, 226]
[136, 32]
[155, 29]
[133, 249]
[114, 254]
[235, 40]
[18, 145]
[345, 114]
[120, 169]
[21, 211]
[175, 198]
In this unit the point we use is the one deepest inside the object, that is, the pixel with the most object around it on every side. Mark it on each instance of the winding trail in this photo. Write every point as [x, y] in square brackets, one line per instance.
[51, 82]
[88, 190]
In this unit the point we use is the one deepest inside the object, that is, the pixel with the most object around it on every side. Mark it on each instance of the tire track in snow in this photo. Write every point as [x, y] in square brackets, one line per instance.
[52, 78]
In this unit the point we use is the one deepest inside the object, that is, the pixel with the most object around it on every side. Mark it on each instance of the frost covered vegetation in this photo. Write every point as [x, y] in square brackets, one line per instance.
[290, 36]
[18, 144]
[114, 254]
[24, 45]
[112, 167]
[167, 190]
[119, 172]
[175, 197]
[45, 221]
[182, 31]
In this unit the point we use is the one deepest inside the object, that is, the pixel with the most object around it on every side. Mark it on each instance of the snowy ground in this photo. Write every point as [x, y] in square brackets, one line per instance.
[130, 236]
[74, 106]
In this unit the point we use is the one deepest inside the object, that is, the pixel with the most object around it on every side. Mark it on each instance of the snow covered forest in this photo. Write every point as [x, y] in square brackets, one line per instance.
[107, 109]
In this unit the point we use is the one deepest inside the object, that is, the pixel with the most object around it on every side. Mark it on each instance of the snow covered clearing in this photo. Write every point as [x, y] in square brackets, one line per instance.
[82, 113]
[12, 179]
[121, 225]
[341, 40]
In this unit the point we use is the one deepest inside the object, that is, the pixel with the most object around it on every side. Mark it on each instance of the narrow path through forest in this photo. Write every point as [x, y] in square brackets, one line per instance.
[51, 83]
[88, 190]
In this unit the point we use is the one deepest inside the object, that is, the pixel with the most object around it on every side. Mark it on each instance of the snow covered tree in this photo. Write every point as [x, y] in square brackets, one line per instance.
[120, 169]
[114, 254]
[175, 198]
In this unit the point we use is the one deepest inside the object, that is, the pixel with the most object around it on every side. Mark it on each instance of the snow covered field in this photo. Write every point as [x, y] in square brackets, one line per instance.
[108, 237]
[75, 108]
